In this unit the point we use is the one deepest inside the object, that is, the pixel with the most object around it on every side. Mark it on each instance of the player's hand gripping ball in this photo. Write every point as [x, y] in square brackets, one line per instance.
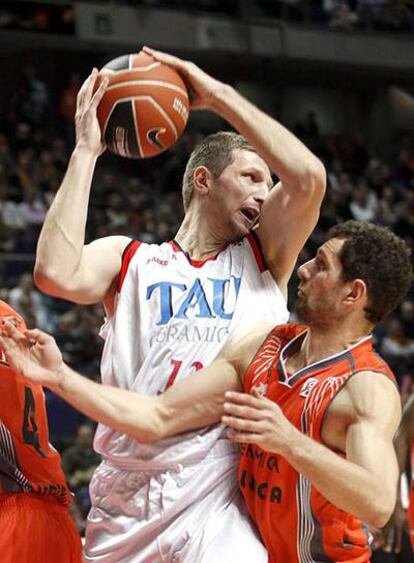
[145, 107]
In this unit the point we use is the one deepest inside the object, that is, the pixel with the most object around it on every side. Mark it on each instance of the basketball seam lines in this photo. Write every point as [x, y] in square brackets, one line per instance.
[150, 99]
[148, 83]
[136, 128]
[165, 114]
[138, 68]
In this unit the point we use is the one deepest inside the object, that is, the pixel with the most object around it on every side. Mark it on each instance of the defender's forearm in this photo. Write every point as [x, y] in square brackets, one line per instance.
[285, 154]
[125, 411]
[345, 484]
[192, 403]
[61, 240]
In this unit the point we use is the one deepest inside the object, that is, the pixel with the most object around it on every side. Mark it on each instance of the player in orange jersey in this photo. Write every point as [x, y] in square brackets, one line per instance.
[34, 520]
[319, 412]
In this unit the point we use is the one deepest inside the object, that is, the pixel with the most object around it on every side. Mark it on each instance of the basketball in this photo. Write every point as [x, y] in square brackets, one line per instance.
[145, 107]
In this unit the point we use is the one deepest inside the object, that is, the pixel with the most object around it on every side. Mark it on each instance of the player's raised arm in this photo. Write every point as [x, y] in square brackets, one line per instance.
[64, 266]
[194, 402]
[291, 211]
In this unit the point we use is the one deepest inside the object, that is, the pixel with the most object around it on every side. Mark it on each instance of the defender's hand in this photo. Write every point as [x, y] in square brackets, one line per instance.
[33, 354]
[257, 420]
[202, 87]
[88, 132]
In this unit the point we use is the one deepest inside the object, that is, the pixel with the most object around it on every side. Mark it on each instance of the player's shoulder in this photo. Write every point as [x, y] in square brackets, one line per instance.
[366, 359]
[148, 254]
[113, 242]
[373, 394]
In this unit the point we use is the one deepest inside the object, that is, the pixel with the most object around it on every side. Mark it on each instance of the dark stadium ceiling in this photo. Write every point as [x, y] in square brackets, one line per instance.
[265, 52]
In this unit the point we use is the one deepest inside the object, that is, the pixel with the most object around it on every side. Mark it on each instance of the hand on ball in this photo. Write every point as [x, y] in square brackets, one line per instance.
[202, 87]
[88, 132]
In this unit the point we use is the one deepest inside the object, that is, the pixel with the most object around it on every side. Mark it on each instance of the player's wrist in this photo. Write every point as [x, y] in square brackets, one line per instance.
[84, 150]
[60, 378]
[293, 444]
[222, 98]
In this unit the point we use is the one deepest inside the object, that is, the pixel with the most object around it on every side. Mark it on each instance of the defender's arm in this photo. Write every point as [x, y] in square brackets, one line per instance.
[193, 402]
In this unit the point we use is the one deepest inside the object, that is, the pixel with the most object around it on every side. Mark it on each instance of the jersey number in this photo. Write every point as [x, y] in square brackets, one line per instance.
[176, 368]
[30, 431]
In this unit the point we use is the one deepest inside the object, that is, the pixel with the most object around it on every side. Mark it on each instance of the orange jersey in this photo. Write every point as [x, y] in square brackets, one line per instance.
[296, 522]
[28, 463]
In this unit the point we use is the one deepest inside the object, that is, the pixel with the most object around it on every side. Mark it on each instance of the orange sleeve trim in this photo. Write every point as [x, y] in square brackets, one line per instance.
[257, 251]
[127, 256]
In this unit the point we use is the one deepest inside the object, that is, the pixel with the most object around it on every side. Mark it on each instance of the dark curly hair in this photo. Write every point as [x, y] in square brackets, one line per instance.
[379, 258]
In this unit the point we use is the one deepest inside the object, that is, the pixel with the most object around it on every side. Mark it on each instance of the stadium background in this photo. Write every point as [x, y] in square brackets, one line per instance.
[340, 73]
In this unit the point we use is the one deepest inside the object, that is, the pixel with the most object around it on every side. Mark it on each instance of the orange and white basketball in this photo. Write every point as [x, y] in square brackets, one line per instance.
[145, 108]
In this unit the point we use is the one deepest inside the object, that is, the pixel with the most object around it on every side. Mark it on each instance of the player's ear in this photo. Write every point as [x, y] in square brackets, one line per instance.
[357, 292]
[202, 180]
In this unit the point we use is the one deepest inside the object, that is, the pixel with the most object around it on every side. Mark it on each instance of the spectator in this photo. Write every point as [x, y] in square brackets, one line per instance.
[27, 301]
[35, 97]
[364, 202]
[396, 348]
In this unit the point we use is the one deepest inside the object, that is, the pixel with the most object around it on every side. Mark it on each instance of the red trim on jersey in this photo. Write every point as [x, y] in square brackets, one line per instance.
[127, 255]
[257, 251]
[193, 262]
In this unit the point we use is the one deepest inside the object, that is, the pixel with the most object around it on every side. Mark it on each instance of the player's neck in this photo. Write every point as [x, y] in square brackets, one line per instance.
[197, 239]
[319, 344]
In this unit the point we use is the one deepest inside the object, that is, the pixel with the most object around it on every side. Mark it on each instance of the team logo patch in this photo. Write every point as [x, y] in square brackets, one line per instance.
[152, 136]
[307, 387]
[261, 387]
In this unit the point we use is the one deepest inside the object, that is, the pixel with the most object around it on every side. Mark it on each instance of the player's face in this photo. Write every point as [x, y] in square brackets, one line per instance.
[320, 288]
[239, 192]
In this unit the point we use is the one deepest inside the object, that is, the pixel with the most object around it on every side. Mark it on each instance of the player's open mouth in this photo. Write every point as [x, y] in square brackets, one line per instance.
[250, 214]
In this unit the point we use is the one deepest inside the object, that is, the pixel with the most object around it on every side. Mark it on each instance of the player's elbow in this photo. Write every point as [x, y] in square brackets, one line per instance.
[379, 518]
[310, 182]
[47, 279]
[381, 511]
[52, 281]
[145, 437]
[315, 178]
[156, 425]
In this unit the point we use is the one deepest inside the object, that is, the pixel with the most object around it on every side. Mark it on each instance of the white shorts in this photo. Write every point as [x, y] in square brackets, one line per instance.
[191, 514]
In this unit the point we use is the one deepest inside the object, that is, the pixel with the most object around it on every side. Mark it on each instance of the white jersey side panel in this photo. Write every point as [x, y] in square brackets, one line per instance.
[170, 319]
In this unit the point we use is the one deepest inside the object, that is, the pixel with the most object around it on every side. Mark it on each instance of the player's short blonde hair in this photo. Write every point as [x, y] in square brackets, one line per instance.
[215, 152]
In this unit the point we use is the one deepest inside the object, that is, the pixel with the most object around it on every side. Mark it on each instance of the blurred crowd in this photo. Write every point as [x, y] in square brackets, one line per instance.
[383, 15]
[142, 199]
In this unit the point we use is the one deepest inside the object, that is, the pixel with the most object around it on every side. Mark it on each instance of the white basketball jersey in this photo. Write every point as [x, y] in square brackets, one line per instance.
[172, 315]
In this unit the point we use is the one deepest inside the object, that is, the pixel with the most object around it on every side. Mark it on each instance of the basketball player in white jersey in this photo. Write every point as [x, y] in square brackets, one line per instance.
[170, 308]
